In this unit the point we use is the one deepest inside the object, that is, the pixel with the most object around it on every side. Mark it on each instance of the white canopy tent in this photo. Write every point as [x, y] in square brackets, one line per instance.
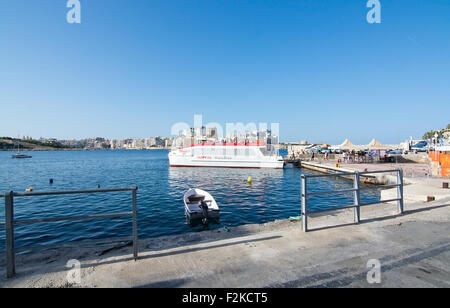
[376, 145]
[348, 145]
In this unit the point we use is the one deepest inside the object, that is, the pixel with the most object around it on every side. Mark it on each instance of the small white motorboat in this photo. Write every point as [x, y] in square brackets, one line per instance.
[200, 206]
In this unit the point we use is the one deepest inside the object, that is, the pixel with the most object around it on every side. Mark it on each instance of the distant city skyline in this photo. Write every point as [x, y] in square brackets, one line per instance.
[94, 136]
[132, 69]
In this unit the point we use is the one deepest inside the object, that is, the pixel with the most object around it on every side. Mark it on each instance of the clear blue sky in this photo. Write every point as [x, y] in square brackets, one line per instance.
[134, 68]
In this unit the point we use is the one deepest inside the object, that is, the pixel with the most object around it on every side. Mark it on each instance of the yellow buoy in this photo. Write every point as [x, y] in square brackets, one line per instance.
[249, 180]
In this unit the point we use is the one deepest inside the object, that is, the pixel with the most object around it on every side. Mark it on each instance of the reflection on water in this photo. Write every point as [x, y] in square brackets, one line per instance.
[274, 194]
[239, 202]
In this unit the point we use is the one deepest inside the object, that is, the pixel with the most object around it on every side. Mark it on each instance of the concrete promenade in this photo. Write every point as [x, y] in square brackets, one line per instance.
[418, 184]
[414, 251]
[410, 170]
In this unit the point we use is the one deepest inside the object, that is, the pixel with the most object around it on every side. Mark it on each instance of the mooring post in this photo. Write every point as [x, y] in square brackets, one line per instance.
[400, 191]
[9, 230]
[304, 205]
[357, 197]
[135, 230]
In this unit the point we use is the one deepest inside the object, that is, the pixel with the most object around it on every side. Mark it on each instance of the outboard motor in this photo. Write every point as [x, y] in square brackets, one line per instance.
[204, 208]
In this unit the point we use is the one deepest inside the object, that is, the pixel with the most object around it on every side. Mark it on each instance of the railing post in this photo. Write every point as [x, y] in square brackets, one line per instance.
[135, 230]
[400, 191]
[304, 205]
[9, 234]
[357, 197]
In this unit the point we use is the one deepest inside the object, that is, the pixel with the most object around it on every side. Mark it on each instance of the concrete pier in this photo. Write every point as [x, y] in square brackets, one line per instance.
[419, 189]
[410, 170]
[378, 179]
[413, 249]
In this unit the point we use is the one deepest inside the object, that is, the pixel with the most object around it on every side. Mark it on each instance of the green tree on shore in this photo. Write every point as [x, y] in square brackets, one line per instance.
[430, 134]
[27, 144]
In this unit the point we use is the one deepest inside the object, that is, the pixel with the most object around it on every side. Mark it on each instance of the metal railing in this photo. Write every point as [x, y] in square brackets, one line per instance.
[356, 193]
[9, 223]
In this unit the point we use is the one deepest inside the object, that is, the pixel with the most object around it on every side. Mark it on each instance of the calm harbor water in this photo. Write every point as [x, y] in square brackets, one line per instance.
[275, 194]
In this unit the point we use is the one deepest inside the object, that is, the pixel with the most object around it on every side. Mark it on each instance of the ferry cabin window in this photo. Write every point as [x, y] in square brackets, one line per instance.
[242, 152]
[205, 151]
[209, 151]
[264, 151]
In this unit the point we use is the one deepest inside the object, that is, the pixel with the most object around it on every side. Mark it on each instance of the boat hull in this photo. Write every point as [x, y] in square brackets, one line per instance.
[180, 161]
[21, 156]
[198, 216]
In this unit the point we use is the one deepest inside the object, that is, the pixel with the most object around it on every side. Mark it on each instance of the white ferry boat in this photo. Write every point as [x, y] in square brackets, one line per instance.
[227, 155]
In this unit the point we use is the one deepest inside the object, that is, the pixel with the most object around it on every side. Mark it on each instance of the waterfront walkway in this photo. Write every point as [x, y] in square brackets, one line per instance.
[418, 184]
[414, 251]
[410, 170]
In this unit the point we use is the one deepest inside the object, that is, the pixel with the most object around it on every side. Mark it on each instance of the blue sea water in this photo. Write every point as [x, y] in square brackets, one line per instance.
[274, 194]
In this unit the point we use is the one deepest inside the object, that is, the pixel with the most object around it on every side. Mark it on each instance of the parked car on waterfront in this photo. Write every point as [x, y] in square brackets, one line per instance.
[394, 152]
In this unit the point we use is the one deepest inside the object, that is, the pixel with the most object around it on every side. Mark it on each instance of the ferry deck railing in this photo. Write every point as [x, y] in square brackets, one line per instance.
[356, 193]
[10, 222]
